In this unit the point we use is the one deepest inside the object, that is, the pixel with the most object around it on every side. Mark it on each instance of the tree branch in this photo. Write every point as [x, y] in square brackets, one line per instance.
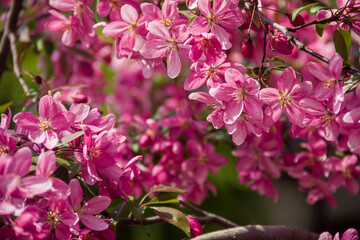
[211, 218]
[10, 26]
[17, 70]
[258, 232]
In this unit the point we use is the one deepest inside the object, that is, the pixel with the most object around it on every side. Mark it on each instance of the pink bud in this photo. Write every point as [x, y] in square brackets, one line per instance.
[195, 226]
[247, 49]
[103, 8]
[145, 141]
[80, 98]
[38, 79]
[280, 42]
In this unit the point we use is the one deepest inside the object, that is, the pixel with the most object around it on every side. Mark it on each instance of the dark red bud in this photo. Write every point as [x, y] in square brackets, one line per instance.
[80, 98]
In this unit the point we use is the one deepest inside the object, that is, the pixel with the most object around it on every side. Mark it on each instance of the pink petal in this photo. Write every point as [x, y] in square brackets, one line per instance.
[63, 5]
[194, 81]
[76, 195]
[173, 64]
[199, 25]
[354, 139]
[69, 37]
[37, 136]
[93, 223]
[222, 36]
[202, 97]
[115, 29]
[46, 164]
[159, 30]
[295, 114]
[319, 71]
[205, 7]
[8, 184]
[335, 65]
[170, 9]
[27, 121]
[81, 111]
[51, 139]
[96, 205]
[33, 185]
[233, 77]
[240, 134]
[269, 95]
[301, 90]
[154, 48]
[323, 92]
[20, 163]
[63, 121]
[55, 25]
[233, 111]
[312, 107]
[253, 108]
[129, 14]
[287, 80]
[69, 218]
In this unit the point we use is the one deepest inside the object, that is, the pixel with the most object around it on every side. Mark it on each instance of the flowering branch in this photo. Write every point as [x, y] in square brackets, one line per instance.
[10, 26]
[258, 232]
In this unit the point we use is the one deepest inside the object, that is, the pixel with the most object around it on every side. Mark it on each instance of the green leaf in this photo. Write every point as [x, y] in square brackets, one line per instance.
[315, 9]
[162, 199]
[342, 41]
[5, 106]
[174, 217]
[192, 19]
[320, 28]
[299, 10]
[157, 188]
[69, 138]
[69, 163]
[275, 59]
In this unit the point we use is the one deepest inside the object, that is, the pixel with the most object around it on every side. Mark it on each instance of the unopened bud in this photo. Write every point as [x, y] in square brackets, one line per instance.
[247, 49]
[38, 79]
[144, 141]
[80, 98]
[195, 226]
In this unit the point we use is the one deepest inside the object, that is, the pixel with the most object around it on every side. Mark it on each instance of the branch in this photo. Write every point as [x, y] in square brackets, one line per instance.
[10, 26]
[258, 232]
[211, 218]
[157, 220]
[17, 70]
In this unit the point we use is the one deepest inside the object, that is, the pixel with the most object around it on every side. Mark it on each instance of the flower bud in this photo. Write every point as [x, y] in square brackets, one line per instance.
[299, 20]
[280, 42]
[38, 79]
[80, 98]
[195, 226]
[247, 49]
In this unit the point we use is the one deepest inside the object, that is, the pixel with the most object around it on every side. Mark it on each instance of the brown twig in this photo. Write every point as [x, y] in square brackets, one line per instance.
[258, 232]
[17, 70]
[211, 218]
[10, 26]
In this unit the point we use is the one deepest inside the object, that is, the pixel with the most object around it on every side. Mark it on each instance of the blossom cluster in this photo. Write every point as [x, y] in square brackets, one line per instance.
[300, 118]
[252, 111]
[38, 202]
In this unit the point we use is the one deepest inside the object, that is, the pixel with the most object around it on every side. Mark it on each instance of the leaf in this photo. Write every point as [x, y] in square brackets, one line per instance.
[158, 188]
[5, 106]
[299, 10]
[69, 138]
[275, 59]
[162, 199]
[320, 28]
[174, 217]
[69, 163]
[315, 9]
[192, 19]
[342, 41]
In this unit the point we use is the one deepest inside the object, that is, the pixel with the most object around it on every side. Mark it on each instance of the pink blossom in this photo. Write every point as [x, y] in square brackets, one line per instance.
[215, 18]
[85, 212]
[53, 118]
[329, 87]
[166, 44]
[286, 98]
[128, 31]
[204, 45]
